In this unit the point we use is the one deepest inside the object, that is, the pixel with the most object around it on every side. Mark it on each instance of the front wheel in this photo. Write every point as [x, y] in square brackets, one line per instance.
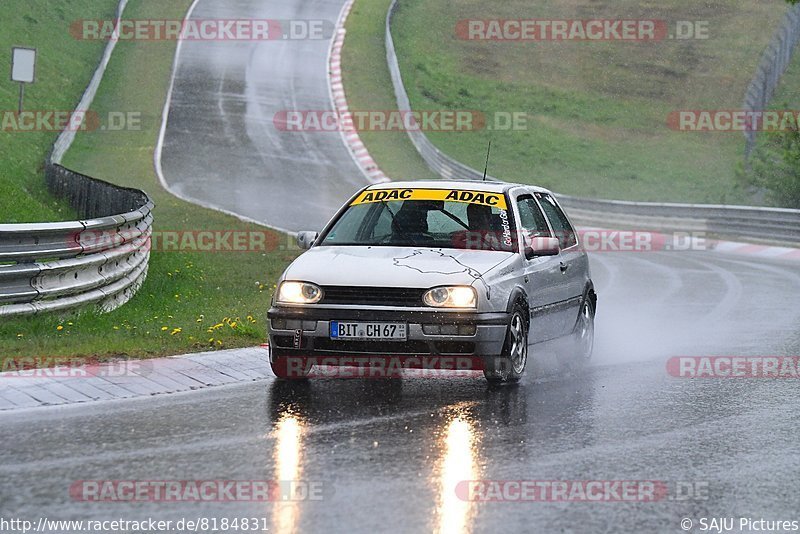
[509, 366]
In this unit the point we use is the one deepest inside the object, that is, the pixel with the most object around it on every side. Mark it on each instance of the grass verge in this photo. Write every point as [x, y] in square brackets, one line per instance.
[191, 301]
[63, 68]
[596, 113]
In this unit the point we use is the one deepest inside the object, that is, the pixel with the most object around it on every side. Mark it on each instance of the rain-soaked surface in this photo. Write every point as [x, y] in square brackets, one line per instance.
[391, 454]
[221, 145]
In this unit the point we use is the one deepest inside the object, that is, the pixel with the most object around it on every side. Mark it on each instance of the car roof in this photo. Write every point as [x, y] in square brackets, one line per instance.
[489, 186]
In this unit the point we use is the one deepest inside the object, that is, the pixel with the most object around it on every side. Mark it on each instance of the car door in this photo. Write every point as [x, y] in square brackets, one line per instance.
[541, 275]
[572, 264]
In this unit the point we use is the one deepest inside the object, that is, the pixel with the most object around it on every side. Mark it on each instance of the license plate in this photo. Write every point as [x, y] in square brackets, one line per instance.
[363, 330]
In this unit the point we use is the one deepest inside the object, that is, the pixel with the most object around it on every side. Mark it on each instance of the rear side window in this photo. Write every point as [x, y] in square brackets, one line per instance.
[564, 231]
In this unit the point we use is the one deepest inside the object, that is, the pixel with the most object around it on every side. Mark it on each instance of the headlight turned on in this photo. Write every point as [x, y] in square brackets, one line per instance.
[299, 293]
[451, 297]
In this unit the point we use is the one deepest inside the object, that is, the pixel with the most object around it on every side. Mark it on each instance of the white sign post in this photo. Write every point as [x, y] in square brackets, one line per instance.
[23, 69]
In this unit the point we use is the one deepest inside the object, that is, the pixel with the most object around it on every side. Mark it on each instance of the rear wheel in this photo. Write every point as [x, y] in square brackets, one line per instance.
[584, 332]
[509, 366]
[581, 342]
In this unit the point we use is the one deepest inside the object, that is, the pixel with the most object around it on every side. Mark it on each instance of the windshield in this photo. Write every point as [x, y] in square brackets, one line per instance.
[434, 218]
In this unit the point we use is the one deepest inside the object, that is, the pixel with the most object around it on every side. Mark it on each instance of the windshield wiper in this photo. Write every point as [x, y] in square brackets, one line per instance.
[456, 219]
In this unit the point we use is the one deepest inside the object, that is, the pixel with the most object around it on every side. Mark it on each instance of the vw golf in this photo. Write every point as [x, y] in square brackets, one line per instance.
[435, 274]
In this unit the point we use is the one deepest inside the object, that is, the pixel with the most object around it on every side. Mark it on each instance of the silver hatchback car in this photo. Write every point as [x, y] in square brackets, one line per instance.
[432, 275]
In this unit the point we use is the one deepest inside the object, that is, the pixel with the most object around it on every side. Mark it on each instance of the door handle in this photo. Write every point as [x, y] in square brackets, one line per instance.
[564, 267]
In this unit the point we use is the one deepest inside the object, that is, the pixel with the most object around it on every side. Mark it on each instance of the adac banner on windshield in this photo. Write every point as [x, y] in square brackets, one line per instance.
[485, 198]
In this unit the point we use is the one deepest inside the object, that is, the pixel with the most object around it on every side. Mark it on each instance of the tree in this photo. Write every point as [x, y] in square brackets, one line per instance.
[775, 167]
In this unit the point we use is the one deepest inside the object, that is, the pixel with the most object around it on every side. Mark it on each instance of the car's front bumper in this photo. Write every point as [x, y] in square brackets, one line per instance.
[305, 331]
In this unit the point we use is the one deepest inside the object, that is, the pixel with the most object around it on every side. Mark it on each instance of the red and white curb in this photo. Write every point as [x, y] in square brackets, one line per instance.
[349, 133]
[762, 251]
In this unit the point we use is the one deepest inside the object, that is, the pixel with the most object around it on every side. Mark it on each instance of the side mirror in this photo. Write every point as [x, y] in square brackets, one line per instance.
[541, 246]
[306, 239]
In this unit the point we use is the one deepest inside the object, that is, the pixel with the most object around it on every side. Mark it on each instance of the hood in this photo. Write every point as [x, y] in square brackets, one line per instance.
[392, 266]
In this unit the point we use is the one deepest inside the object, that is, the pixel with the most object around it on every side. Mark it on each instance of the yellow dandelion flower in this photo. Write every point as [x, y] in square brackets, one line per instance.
[59, 328]
[163, 328]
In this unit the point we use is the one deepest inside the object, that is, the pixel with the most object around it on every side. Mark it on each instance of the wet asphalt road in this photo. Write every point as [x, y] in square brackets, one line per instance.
[389, 455]
[221, 144]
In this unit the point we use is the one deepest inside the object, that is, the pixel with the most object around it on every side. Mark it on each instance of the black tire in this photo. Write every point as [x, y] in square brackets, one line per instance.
[510, 365]
[581, 341]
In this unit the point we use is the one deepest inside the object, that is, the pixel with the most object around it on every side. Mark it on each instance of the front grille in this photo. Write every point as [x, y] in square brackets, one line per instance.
[372, 296]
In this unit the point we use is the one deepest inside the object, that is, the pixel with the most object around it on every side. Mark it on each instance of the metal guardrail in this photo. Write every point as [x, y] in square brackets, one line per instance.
[773, 64]
[101, 259]
[768, 224]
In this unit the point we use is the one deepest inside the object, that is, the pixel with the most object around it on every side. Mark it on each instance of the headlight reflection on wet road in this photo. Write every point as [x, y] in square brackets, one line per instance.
[287, 458]
[458, 463]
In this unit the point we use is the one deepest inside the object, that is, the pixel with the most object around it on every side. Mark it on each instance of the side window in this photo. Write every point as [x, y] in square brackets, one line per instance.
[561, 226]
[531, 218]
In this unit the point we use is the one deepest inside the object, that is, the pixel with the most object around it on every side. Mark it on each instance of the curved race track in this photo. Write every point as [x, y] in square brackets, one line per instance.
[221, 146]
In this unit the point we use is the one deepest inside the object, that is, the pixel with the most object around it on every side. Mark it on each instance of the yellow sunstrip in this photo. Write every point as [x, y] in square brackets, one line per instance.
[495, 200]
